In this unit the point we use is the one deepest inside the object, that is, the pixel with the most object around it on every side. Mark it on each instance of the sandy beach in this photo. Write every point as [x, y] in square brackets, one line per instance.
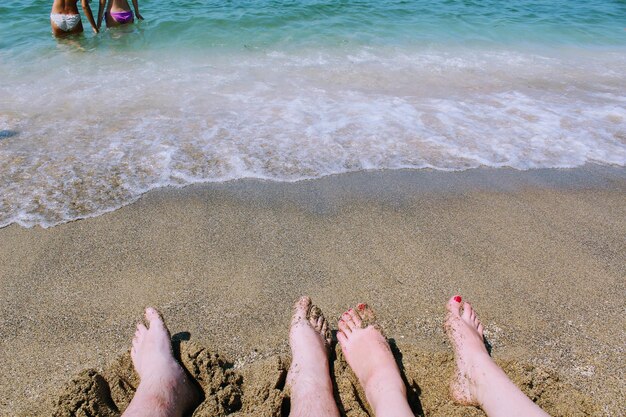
[541, 254]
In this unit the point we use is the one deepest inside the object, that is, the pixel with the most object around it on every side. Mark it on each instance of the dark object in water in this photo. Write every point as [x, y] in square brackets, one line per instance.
[7, 133]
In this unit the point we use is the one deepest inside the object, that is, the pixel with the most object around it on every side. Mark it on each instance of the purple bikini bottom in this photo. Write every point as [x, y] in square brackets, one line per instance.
[122, 17]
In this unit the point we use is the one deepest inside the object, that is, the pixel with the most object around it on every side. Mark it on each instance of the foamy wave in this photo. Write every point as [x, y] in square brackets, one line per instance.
[81, 147]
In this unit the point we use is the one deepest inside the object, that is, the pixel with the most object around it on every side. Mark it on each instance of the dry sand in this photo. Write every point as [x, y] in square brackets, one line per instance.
[541, 255]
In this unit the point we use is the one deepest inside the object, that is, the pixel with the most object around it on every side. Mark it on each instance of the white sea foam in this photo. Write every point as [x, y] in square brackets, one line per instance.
[92, 132]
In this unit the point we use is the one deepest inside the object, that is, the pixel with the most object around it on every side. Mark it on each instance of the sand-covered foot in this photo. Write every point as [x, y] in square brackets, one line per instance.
[367, 352]
[164, 388]
[309, 377]
[478, 380]
[466, 335]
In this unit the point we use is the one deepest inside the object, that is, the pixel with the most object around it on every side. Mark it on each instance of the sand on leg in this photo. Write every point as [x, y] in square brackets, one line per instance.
[164, 388]
[478, 380]
[309, 375]
[370, 357]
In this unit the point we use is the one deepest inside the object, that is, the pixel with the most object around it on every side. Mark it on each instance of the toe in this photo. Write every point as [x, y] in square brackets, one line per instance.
[454, 305]
[301, 309]
[366, 313]
[138, 337]
[356, 319]
[315, 312]
[153, 317]
[319, 323]
[342, 338]
[347, 318]
[325, 333]
[141, 330]
[133, 354]
[467, 312]
[344, 327]
[480, 330]
[139, 334]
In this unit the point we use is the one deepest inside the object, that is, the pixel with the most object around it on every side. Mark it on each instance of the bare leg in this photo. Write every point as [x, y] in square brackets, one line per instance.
[164, 389]
[370, 357]
[478, 380]
[309, 375]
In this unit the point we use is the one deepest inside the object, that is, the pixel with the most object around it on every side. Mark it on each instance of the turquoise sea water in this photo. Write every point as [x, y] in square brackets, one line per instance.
[287, 90]
[207, 25]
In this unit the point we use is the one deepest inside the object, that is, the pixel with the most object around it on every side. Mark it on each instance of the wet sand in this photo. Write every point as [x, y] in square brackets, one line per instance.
[540, 254]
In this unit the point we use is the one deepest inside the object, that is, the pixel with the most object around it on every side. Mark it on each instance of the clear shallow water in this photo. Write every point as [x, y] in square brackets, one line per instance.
[213, 91]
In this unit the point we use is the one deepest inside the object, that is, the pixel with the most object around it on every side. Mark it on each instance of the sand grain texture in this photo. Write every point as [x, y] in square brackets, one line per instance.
[259, 388]
[540, 254]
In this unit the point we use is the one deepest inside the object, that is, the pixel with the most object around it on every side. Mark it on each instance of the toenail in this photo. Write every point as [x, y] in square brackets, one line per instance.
[361, 306]
[457, 298]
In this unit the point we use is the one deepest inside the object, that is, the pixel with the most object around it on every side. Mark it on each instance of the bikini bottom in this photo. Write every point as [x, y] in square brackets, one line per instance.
[122, 17]
[65, 22]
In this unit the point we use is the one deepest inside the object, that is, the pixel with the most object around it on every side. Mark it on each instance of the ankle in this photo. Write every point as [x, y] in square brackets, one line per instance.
[306, 383]
[384, 387]
[483, 370]
[392, 400]
[153, 391]
[311, 396]
[170, 393]
[155, 402]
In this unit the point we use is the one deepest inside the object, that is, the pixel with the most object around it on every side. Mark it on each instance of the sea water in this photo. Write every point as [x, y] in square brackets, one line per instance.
[204, 91]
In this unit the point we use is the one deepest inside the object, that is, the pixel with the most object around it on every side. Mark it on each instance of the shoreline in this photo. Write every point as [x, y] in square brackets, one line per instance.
[539, 253]
[487, 178]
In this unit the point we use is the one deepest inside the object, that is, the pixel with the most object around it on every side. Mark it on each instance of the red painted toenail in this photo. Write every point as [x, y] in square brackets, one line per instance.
[457, 298]
[361, 306]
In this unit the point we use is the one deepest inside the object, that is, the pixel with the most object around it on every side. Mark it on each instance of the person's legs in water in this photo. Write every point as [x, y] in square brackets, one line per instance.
[478, 380]
[309, 376]
[369, 355]
[164, 389]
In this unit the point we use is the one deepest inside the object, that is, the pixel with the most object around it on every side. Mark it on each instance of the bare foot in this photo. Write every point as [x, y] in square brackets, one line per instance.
[164, 388]
[478, 380]
[309, 376]
[370, 357]
[466, 335]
